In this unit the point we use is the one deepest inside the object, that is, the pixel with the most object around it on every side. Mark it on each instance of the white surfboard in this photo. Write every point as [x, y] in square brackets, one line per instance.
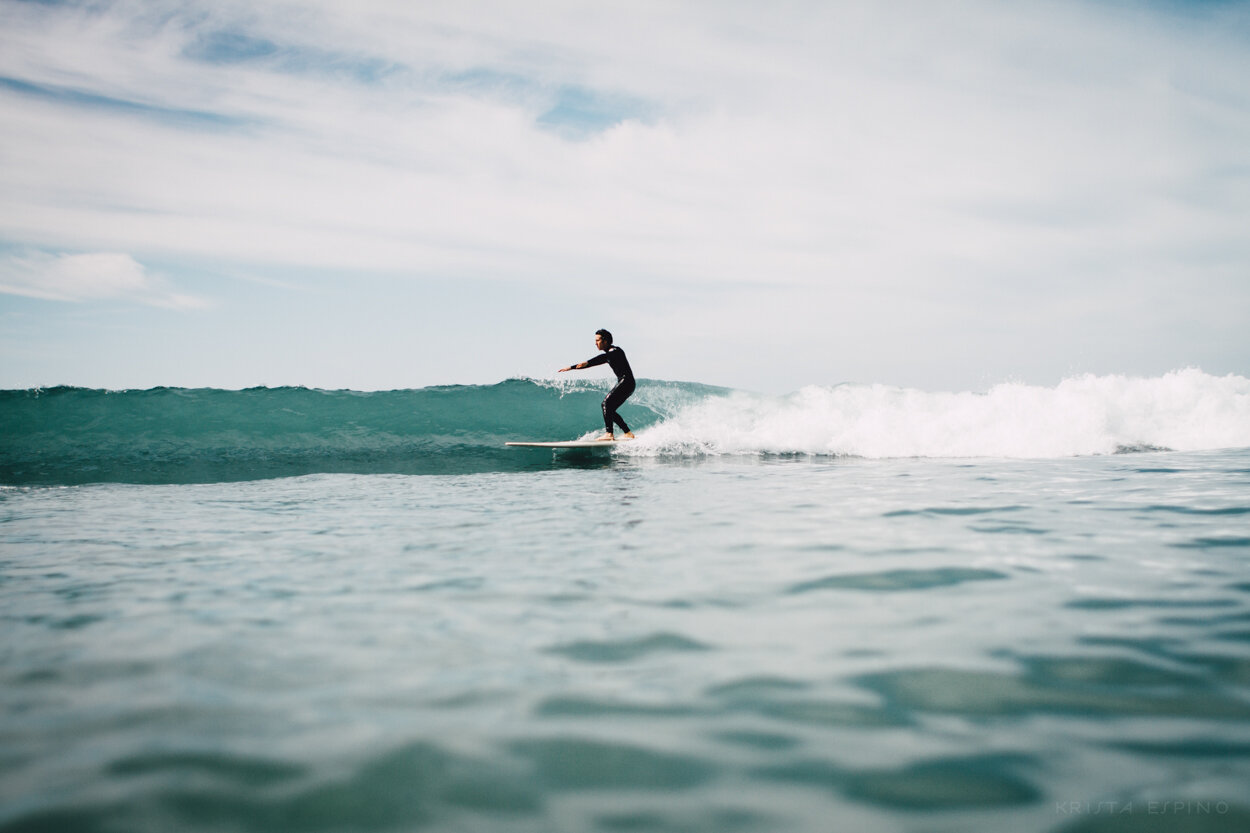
[571, 444]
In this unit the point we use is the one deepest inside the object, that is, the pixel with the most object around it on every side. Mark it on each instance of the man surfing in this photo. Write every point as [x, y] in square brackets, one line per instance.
[615, 358]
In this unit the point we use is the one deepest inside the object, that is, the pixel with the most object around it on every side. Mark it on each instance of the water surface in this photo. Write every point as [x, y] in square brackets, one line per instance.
[621, 642]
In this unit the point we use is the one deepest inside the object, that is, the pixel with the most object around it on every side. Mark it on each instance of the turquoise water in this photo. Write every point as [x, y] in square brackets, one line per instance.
[178, 435]
[705, 632]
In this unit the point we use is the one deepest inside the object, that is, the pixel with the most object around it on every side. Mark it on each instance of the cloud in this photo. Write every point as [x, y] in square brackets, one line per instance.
[88, 277]
[946, 174]
[835, 138]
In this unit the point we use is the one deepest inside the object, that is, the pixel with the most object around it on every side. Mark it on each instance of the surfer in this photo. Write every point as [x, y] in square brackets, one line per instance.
[615, 358]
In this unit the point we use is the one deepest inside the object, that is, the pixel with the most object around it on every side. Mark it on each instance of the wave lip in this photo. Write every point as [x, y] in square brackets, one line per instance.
[1185, 410]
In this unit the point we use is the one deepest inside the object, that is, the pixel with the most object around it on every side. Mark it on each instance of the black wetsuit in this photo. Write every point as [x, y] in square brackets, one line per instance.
[615, 358]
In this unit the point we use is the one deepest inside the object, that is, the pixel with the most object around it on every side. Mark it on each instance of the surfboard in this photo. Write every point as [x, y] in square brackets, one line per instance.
[569, 444]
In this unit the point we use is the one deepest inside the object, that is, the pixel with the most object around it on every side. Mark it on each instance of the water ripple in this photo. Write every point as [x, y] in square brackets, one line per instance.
[897, 580]
[945, 783]
[1058, 685]
[576, 763]
[625, 650]
[956, 511]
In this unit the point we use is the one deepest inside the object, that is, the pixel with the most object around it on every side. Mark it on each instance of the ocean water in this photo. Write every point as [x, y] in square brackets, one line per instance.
[852, 608]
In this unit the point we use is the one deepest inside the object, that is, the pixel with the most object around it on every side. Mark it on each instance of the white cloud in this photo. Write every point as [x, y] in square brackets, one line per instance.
[1004, 165]
[88, 277]
[794, 143]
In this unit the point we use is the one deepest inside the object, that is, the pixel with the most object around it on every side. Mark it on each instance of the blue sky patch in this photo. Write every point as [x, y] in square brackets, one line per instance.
[572, 111]
[72, 97]
[229, 47]
[579, 112]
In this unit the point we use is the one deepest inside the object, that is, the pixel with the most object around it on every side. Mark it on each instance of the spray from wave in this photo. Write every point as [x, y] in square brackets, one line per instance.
[1185, 410]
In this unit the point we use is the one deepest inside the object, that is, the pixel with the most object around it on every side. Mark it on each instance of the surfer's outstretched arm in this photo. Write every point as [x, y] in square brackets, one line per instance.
[602, 358]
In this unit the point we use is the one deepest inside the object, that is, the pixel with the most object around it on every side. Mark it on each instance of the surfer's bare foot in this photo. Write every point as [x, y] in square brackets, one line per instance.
[605, 438]
[629, 435]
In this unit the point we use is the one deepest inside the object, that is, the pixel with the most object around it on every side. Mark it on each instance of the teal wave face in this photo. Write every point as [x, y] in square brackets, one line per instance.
[178, 435]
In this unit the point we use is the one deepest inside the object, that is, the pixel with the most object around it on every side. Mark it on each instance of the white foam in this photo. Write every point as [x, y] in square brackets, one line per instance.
[1185, 410]
[566, 384]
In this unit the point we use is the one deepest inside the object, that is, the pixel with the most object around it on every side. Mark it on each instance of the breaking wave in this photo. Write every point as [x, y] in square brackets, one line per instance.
[177, 435]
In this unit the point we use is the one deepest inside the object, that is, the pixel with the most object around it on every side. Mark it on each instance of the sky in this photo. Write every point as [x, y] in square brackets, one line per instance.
[761, 195]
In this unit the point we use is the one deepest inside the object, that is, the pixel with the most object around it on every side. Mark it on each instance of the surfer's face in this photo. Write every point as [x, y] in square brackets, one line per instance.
[599, 342]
